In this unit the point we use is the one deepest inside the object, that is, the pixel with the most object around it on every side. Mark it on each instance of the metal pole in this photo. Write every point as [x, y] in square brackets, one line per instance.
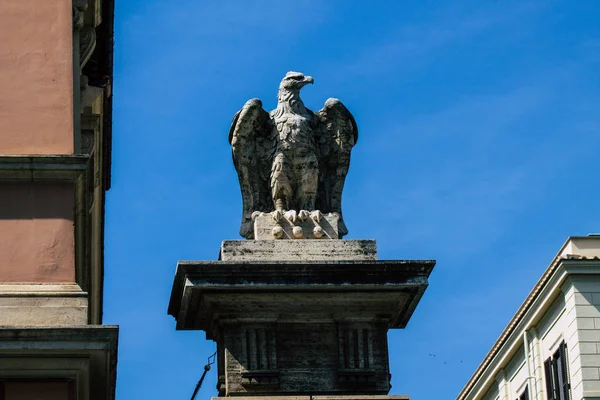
[206, 369]
[211, 360]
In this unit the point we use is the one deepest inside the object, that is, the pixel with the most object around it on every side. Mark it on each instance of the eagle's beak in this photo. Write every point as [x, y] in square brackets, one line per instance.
[305, 81]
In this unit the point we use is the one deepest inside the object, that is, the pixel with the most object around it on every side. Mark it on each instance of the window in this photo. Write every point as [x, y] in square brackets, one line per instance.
[525, 394]
[557, 375]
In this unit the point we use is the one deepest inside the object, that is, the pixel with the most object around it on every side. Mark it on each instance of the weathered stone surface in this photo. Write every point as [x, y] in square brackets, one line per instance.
[266, 228]
[292, 158]
[307, 357]
[330, 397]
[297, 250]
[298, 326]
[43, 305]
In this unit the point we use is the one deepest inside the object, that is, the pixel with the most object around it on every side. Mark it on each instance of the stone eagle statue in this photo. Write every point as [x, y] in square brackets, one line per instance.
[292, 162]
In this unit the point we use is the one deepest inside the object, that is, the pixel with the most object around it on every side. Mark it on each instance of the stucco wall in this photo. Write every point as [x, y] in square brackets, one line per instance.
[516, 374]
[492, 394]
[36, 80]
[583, 311]
[36, 232]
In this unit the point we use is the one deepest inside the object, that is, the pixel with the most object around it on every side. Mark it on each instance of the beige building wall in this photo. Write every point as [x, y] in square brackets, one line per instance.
[494, 392]
[517, 373]
[36, 79]
[583, 332]
[563, 308]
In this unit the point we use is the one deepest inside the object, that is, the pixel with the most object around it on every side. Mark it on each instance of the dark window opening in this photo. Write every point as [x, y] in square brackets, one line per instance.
[558, 385]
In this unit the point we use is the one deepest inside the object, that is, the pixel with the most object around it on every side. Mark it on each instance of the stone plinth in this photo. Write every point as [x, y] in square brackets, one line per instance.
[303, 326]
[297, 250]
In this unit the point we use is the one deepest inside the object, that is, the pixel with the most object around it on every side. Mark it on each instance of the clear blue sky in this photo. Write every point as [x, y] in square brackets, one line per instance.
[479, 141]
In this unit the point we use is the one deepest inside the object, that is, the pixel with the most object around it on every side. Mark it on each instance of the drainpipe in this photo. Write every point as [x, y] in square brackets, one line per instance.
[529, 376]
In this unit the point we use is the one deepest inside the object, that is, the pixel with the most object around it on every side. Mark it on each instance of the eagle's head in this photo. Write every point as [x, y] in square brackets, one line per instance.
[294, 81]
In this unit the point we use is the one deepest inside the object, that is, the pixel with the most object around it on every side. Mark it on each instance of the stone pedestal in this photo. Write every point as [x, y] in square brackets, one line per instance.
[299, 316]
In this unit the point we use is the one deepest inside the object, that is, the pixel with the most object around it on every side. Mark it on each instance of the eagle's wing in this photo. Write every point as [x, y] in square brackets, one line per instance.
[252, 138]
[337, 133]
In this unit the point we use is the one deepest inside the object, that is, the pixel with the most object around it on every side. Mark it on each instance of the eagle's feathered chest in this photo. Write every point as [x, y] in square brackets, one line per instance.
[294, 131]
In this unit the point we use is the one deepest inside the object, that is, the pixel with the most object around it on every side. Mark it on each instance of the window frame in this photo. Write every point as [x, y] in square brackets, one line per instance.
[556, 373]
[525, 394]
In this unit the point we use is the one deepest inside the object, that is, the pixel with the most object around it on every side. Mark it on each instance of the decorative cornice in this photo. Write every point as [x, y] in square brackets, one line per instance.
[41, 290]
[79, 7]
[405, 277]
[42, 167]
[90, 127]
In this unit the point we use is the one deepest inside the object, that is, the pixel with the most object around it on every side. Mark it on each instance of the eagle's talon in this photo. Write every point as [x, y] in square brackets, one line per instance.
[303, 214]
[316, 216]
[291, 215]
[277, 215]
